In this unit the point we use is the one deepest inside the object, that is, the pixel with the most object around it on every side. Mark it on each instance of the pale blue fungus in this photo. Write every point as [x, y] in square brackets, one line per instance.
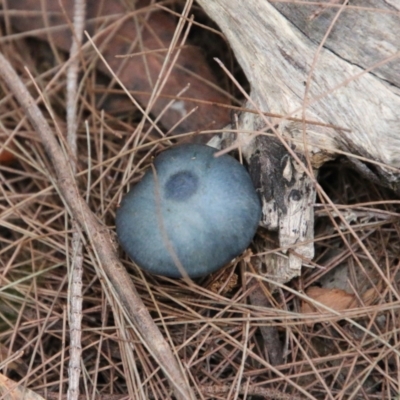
[192, 209]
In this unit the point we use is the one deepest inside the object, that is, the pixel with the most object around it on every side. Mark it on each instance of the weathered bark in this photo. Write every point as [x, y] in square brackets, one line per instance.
[349, 86]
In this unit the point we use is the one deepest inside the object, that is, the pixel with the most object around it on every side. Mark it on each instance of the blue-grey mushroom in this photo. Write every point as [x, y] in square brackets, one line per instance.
[192, 210]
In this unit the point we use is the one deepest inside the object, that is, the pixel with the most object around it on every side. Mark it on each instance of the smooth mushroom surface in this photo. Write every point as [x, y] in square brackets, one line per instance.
[192, 210]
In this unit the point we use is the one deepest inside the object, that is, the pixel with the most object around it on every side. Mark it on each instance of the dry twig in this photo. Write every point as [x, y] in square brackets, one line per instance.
[75, 281]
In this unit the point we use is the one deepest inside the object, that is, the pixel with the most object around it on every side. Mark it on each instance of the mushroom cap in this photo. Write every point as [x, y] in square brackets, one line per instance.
[196, 208]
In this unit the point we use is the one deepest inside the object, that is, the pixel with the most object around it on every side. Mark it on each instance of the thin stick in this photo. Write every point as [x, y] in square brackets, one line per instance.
[76, 270]
[99, 238]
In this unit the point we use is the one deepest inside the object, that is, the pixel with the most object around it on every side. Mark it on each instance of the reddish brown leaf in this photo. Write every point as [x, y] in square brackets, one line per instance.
[6, 157]
[335, 299]
[138, 73]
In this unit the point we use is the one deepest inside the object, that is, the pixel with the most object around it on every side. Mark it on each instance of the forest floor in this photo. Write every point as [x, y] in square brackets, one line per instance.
[336, 326]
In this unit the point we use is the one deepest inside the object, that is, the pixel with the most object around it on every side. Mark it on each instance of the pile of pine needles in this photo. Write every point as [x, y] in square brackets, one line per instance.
[347, 349]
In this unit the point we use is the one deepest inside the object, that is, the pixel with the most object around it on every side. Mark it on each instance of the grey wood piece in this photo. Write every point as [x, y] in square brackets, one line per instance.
[348, 108]
[360, 36]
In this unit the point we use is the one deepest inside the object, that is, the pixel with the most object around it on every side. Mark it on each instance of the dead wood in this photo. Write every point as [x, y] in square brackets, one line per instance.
[293, 75]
